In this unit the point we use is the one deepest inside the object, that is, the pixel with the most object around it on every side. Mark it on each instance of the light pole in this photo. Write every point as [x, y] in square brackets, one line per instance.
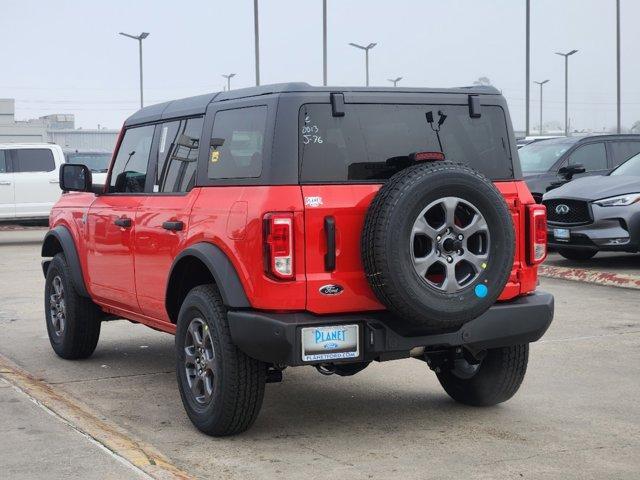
[324, 42]
[366, 56]
[139, 38]
[394, 81]
[229, 77]
[528, 74]
[541, 84]
[618, 64]
[257, 40]
[566, 89]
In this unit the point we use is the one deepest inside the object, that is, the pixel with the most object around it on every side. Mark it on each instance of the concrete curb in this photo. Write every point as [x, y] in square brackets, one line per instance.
[596, 277]
[142, 457]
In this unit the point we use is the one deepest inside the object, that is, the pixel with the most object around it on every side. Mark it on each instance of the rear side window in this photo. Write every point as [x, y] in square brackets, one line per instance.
[33, 160]
[592, 156]
[623, 151]
[3, 162]
[371, 142]
[129, 171]
[241, 133]
[178, 155]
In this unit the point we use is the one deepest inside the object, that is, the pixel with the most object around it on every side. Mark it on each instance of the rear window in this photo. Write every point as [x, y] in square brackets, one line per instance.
[371, 142]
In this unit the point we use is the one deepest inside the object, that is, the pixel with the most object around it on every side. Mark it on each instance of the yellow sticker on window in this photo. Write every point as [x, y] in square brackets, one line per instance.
[215, 155]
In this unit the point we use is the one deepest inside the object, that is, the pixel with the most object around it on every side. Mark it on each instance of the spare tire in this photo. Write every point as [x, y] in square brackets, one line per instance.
[438, 245]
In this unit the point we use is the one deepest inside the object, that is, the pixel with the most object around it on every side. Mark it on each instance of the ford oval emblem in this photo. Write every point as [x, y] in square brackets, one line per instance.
[331, 290]
[330, 346]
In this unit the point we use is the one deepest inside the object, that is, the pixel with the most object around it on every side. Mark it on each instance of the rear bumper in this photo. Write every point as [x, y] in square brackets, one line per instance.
[276, 338]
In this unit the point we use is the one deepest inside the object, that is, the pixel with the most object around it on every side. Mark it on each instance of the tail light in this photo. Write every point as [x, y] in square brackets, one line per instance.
[537, 238]
[278, 243]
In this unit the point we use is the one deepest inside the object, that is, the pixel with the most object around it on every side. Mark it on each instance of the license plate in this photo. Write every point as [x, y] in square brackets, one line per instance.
[562, 234]
[330, 343]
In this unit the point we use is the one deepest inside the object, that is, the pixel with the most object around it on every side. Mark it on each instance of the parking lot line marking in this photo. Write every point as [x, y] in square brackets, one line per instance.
[607, 279]
[138, 455]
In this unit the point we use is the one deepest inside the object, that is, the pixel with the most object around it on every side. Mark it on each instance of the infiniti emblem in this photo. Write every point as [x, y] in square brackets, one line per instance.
[562, 209]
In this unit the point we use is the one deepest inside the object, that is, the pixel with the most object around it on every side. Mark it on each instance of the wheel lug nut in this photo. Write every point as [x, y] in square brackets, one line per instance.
[460, 237]
[449, 259]
[438, 238]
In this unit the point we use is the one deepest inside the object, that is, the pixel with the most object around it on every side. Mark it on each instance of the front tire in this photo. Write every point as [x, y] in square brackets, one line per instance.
[221, 387]
[579, 255]
[73, 321]
[495, 380]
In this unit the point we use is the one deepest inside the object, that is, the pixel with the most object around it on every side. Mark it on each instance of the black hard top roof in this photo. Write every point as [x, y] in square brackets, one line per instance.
[197, 105]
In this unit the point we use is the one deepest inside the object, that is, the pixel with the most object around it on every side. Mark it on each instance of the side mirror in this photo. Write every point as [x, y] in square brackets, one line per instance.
[75, 178]
[570, 170]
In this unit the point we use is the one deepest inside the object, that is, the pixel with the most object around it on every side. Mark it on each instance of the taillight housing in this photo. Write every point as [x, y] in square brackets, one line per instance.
[278, 245]
[537, 234]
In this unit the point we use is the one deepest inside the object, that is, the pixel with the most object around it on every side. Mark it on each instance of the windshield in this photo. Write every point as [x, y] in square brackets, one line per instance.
[97, 162]
[631, 167]
[371, 142]
[540, 156]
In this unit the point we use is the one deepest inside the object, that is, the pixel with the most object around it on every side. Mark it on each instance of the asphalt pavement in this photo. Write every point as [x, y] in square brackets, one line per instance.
[577, 414]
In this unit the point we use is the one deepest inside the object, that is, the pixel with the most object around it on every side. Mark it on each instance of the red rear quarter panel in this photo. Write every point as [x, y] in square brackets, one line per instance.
[231, 218]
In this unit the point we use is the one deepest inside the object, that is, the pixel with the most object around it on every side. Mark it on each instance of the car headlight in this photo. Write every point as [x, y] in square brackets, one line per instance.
[619, 201]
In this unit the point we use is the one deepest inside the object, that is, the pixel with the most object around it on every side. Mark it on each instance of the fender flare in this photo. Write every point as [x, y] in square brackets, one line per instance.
[61, 235]
[222, 270]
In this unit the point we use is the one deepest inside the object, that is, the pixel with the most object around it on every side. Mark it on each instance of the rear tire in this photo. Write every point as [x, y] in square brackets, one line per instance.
[73, 321]
[579, 255]
[221, 387]
[496, 379]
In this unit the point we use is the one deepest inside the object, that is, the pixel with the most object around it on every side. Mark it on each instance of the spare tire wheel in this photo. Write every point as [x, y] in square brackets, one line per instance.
[438, 245]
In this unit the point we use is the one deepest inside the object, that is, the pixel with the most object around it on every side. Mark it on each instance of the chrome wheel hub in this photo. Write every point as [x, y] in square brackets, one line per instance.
[57, 306]
[199, 360]
[450, 244]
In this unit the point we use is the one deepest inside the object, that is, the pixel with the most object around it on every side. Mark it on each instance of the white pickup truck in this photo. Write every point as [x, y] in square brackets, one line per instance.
[29, 177]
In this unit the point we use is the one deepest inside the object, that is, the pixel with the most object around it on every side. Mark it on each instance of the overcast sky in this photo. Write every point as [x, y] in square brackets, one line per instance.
[65, 56]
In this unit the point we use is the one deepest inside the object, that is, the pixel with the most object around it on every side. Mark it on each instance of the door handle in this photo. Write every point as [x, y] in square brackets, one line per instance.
[5, 183]
[123, 222]
[330, 233]
[54, 181]
[174, 226]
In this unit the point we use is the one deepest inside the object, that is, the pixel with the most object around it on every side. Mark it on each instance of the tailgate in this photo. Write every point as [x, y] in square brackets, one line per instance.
[345, 206]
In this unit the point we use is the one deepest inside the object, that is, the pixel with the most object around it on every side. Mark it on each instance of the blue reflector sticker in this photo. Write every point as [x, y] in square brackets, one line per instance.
[481, 291]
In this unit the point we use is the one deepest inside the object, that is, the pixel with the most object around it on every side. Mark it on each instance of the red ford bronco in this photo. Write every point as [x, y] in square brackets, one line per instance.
[290, 225]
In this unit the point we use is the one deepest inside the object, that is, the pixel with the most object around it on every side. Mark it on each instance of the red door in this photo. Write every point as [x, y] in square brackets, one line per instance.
[162, 222]
[345, 206]
[110, 260]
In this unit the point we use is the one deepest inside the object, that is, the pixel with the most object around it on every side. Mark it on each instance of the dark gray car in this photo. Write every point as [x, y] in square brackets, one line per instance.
[597, 213]
[547, 164]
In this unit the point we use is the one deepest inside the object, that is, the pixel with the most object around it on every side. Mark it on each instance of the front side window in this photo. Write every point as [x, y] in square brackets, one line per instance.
[237, 143]
[129, 171]
[33, 160]
[592, 157]
[177, 159]
[371, 142]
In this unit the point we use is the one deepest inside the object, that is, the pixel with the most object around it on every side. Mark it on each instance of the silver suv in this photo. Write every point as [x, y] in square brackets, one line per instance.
[598, 213]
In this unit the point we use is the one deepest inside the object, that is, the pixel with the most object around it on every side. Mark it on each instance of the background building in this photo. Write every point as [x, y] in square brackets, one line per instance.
[56, 128]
